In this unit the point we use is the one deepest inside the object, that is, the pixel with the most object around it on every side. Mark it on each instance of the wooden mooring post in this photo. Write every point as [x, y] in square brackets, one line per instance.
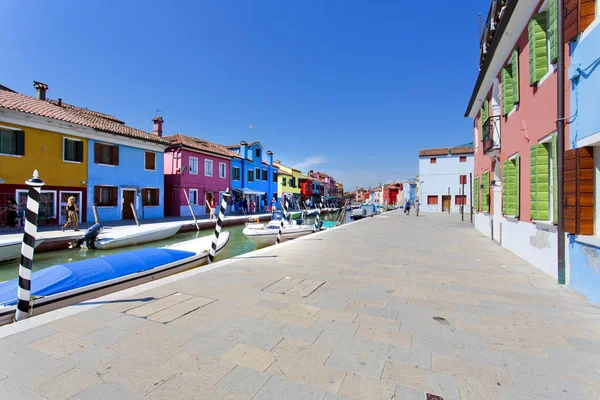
[137, 222]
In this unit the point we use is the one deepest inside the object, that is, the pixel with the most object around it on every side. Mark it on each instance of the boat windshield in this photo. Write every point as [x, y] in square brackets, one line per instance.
[277, 216]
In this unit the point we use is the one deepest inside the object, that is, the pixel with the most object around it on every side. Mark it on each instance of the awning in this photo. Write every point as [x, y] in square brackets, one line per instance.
[250, 191]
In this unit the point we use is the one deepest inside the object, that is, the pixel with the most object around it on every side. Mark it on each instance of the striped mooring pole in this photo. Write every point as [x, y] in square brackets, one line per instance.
[28, 246]
[213, 248]
[285, 207]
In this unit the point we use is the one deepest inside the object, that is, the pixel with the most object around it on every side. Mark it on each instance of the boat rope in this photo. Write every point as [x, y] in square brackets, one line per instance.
[213, 248]
[285, 207]
[28, 246]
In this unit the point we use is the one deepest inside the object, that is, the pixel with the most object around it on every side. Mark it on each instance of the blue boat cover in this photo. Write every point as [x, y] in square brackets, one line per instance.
[63, 277]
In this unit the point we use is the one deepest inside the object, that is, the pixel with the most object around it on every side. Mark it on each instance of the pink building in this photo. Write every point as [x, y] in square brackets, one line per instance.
[198, 168]
[514, 108]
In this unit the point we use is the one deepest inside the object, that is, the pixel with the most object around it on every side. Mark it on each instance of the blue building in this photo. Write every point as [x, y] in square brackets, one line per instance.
[582, 218]
[125, 171]
[253, 178]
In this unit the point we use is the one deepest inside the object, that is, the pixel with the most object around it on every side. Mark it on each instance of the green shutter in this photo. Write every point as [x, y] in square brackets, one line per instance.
[476, 194]
[517, 183]
[515, 74]
[485, 192]
[554, 180]
[539, 188]
[553, 31]
[484, 112]
[510, 187]
[538, 62]
[507, 90]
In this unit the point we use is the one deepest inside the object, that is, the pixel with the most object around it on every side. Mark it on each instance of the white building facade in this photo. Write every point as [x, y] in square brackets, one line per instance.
[444, 179]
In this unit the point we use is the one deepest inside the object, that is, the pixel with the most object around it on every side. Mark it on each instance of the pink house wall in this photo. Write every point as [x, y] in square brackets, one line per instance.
[534, 119]
[176, 181]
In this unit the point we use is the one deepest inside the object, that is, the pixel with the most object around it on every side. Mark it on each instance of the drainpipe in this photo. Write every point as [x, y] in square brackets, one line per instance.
[560, 141]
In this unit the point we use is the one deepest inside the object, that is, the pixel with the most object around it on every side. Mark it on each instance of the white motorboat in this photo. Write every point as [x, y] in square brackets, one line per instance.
[66, 284]
[267, 233]
[130, 236]
[10, 249]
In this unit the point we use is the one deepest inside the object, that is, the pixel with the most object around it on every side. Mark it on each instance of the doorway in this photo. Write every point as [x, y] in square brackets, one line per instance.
[64, 196]
[129, 198]
[446, 201]
[208, 198]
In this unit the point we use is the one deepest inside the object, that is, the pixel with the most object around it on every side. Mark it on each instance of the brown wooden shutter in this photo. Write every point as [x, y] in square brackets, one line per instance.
[579, 191]
[115, 155]
[114, 195]
[145, 196]
[156, 197]
[578, 15]
[97, 195]
[97, 153]
[150, 160]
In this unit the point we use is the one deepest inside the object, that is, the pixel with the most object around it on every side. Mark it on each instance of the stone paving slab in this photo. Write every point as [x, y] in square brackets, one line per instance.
[388, 307]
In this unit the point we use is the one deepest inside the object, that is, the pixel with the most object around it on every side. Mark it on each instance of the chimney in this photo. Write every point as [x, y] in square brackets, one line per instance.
[59, 102]
[243, 149]
[158, 121]
[278, 162]
[270, 155]
[40, 90]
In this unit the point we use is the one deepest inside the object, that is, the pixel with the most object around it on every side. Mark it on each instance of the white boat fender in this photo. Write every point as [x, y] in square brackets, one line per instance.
[89, 238]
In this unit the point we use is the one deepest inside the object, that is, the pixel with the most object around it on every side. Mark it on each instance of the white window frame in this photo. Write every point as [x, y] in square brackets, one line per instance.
[10, 128]
[118, 194]
[65, 138]
[195, 191]
[267, 173]
[259, 174]
[192, 170]
[208, 167]
[103, 164]
[146, 169]
[253, 177]
[151, 187]
[551, 67]
[222, 170]
[56, 199]
[239, 173]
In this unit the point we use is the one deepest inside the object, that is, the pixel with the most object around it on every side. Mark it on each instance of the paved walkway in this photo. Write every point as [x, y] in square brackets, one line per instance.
[388, 307]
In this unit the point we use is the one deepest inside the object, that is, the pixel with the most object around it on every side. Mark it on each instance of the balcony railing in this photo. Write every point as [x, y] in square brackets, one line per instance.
[491, 134]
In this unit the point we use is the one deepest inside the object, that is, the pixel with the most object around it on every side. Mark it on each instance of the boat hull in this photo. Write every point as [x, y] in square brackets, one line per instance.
[78, 295]
[269, 236]
[11, 250]
[135, 236]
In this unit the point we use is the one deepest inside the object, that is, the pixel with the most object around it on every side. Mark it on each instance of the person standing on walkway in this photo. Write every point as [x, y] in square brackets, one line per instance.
[72, 217]
[252, 206]
[417, 205]
[407, 207]
[245, 205]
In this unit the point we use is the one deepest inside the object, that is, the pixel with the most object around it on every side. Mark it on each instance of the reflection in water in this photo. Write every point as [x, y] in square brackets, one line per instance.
[238, 244]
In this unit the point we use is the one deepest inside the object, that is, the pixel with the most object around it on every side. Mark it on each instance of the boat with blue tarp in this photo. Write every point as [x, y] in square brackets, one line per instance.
[70, 283]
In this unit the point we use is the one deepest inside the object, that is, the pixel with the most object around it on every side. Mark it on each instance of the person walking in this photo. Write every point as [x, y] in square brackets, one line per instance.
[417, 205]
[12, 213]
[211, 207]
[72, 217]
[407, 207]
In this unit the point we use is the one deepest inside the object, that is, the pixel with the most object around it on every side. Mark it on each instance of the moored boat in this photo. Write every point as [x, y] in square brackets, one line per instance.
[134, 235]
[10, 249]
[267, 233]
[66, 284]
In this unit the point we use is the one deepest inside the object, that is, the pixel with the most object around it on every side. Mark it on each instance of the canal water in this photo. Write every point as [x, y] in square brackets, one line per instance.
[238, 244]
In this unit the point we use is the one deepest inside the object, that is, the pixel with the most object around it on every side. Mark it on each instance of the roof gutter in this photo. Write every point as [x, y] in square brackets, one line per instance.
[500, 31]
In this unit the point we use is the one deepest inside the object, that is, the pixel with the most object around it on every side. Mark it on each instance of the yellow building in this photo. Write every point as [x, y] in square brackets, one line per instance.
[288, 181]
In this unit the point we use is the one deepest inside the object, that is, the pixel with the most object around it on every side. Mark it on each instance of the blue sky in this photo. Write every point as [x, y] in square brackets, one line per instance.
[352, 88]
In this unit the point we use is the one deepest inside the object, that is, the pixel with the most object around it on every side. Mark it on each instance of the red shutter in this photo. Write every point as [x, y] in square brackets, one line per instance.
[579, 191]
[97, 153]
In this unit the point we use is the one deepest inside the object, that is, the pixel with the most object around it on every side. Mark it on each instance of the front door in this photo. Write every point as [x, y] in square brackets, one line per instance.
[64, 196]
[446, 202]
[128, 200]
